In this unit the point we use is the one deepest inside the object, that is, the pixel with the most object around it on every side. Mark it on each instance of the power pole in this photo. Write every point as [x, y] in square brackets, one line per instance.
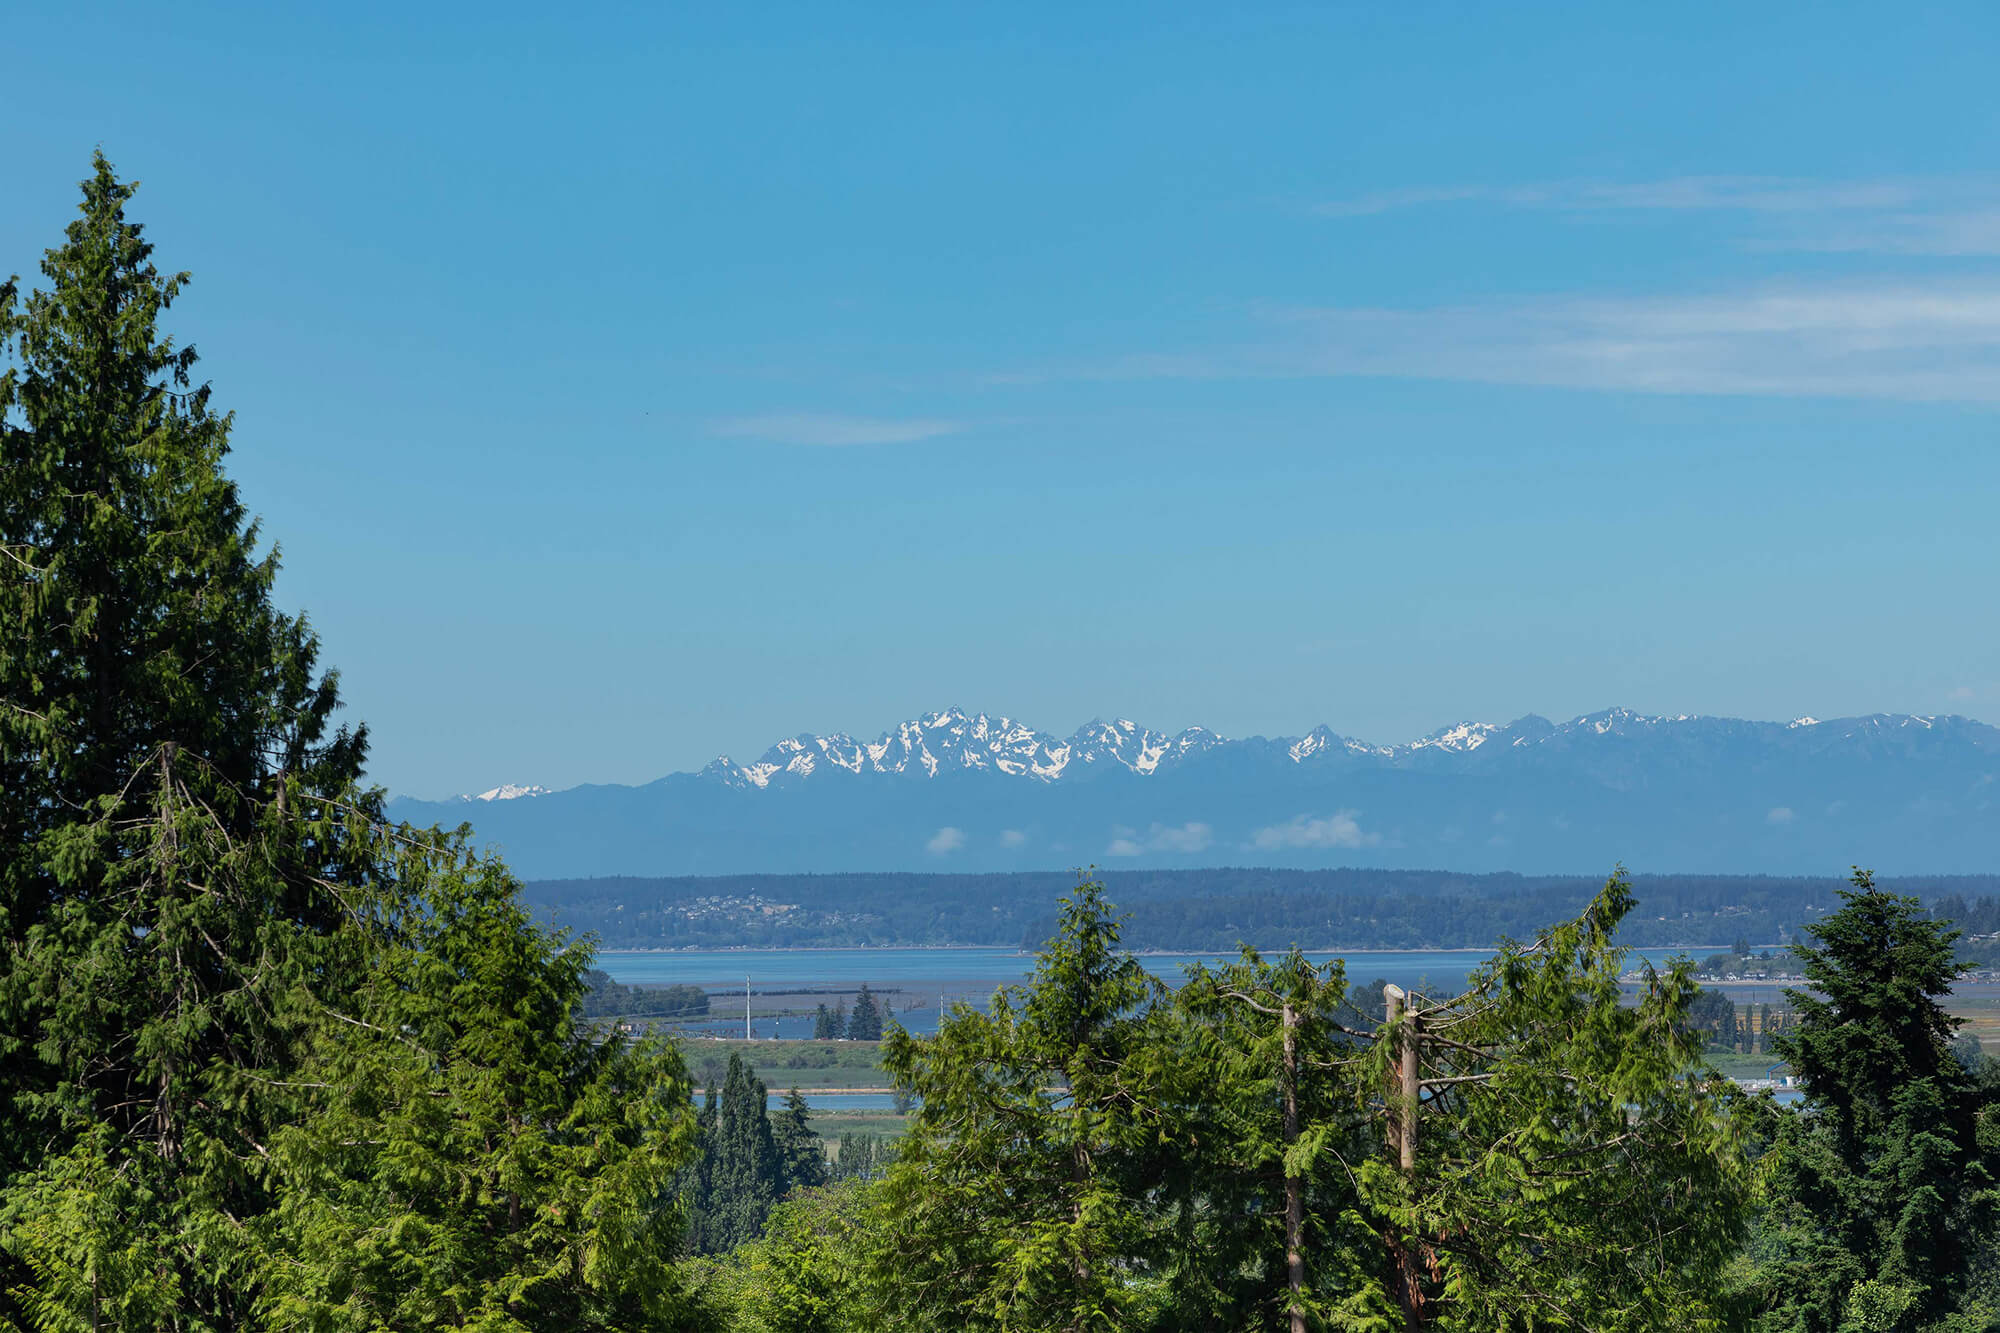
[1405, 1093]
[746, 1008]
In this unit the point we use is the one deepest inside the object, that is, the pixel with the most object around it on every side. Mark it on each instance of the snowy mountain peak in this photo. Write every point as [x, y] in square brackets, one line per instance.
[1466, 736]
[508, 792]
[1320, 738]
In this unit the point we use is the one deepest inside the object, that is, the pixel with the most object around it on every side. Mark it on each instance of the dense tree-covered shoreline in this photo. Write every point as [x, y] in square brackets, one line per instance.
[1208, 910]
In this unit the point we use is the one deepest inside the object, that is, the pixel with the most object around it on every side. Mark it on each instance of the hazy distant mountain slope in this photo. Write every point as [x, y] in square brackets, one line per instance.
[951, 791]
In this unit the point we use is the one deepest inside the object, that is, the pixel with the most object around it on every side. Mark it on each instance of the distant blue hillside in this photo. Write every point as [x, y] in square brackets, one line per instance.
[956, 792]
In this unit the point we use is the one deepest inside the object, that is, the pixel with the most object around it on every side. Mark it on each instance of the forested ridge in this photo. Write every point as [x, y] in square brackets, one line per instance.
[271, 1061]
[1181, 910]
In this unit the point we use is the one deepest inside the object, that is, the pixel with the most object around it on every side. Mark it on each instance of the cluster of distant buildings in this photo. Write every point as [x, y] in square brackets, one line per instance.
[733, 907]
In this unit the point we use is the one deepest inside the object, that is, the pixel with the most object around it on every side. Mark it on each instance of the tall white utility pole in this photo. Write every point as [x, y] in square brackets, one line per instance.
[746, 1008]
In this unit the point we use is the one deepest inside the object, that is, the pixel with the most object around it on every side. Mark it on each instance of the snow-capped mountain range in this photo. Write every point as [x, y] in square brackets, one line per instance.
[979, 791]
[952, 741]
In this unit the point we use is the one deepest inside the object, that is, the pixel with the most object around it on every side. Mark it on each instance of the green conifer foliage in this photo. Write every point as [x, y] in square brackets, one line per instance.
[800, 1276]
[1251, 1152]
[1553, 1155]
[1264, 1205]
[865, 1023]
[743, 1171]
[1012, 1194]
[261, 1057]
[1881, 1201]
[182, 848]
[476, 1156]
[801, 1154]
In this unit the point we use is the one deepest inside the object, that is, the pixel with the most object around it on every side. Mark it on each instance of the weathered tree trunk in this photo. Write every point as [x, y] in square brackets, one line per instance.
[1412, 1091]
[1295, 1207]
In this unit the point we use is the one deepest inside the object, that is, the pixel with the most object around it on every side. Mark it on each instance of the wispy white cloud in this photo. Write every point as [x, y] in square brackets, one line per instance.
[1339, 829]
[1934, 339]
[1922, 340]
[827, 430]
[1185, 839]
[1744, 194]
[1895, 215]
[1778, 814]
[1013, 837]
[945, 840]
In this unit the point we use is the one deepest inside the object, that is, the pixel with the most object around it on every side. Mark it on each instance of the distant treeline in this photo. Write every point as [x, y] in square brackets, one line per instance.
[1213, 909]
[606, 998]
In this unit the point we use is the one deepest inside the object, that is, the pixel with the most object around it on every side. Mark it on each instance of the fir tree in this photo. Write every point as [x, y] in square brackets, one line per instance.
[698, 1178]
[182, 846]
[823, 1026]
[1882, 1202]
[261, 1056]
[1264, 1209]
[744, 1174]
[865, 1023]
[801, 1154]
[1015, 1193]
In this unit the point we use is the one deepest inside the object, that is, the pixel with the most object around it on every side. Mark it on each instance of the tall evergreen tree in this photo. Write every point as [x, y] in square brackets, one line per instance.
[697, 1185]
[1014, 1192]
[1882, 1203]
[182, 846]
[476, 1155]
[261, 1056]
[1264, 1210]
[801, 1153]
[865, 1023]
[744, 1174]
[823, 1029]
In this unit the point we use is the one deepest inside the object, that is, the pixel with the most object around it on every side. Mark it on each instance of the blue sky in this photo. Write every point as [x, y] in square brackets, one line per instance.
[626, 387]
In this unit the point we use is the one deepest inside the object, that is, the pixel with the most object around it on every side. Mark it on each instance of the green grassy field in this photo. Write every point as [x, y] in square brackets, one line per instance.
[1982, 1020]
[1743, 1066]
[790, 1064]
[830, 1125]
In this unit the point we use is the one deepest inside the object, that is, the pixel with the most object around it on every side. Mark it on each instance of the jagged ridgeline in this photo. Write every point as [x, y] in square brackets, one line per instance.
[952, 791]
[1209, 909]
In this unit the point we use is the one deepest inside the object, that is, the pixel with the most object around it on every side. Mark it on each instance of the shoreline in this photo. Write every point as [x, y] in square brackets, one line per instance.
[1481, 950]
